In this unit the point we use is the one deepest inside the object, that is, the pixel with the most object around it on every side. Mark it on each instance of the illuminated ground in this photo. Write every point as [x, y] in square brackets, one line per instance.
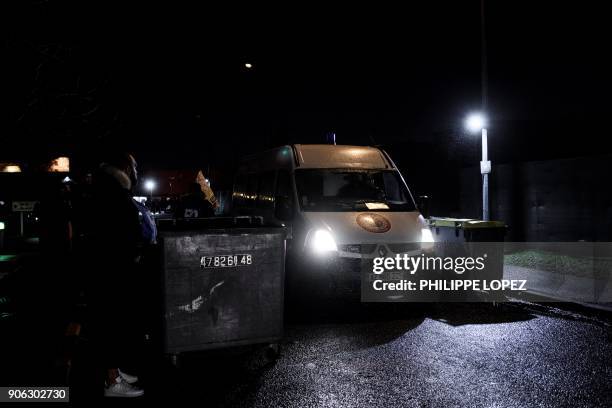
[457, 355]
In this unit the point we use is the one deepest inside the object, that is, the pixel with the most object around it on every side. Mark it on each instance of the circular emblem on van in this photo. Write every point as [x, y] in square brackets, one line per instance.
[372, 222]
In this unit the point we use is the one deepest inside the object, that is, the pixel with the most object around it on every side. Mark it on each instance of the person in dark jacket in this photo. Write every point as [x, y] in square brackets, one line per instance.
[116, 236]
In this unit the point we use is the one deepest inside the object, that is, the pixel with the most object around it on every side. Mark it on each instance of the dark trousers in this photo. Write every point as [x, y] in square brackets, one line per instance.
[116, 313]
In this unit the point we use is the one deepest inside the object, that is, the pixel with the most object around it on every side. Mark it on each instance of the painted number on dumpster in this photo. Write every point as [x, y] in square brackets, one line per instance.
[226, 261]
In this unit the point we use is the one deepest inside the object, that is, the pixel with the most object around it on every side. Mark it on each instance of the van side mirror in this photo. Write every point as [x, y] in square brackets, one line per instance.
[283, 210]
[423, 205]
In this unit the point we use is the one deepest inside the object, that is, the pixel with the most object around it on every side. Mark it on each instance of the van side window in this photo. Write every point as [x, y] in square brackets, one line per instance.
[265, 195]
[283, 185]
[251, 190]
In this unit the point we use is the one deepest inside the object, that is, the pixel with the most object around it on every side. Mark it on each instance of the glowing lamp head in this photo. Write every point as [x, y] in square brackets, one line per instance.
[475, 122]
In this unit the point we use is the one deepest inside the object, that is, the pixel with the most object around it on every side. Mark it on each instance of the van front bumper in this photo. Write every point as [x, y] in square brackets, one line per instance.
[339, 273]
[329, 275]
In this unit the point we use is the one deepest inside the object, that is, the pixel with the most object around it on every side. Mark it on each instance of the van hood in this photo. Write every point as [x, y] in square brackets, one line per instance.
[362, 227]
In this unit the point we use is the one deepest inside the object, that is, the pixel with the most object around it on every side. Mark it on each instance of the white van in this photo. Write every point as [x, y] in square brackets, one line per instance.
[342, 204]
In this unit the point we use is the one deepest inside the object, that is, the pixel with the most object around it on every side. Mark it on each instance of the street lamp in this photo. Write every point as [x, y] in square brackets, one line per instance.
[150, 185]
[474, 123]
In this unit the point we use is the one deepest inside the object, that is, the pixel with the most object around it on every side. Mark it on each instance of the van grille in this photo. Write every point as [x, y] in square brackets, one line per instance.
[358, 248]
[366, 249]
[407, 247]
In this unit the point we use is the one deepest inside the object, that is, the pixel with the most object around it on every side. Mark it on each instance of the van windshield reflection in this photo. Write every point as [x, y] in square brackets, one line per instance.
[352, 190]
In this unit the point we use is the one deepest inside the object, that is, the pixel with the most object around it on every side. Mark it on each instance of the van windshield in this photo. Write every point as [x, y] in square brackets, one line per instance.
[352, 190]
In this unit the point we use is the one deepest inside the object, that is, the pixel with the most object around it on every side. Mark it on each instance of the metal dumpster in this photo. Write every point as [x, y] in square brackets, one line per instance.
[223, 284]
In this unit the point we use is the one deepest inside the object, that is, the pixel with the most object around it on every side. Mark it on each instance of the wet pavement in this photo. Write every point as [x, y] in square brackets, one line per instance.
[510, 355]
[515, 354]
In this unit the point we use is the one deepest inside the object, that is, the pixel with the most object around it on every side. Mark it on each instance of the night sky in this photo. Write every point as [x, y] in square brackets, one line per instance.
[169, 83]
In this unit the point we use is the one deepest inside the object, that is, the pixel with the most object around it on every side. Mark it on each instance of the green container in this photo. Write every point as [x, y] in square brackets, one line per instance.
[457, 237]
[466, 230]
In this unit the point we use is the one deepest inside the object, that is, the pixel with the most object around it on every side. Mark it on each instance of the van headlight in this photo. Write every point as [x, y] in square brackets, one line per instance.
[322, 242]
[427, 239]
[426, 235]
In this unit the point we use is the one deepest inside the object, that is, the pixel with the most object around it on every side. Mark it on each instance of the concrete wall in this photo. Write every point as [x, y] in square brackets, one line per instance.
[557, 200]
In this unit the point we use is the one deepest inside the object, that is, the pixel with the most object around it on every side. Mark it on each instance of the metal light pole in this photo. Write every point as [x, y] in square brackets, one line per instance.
[485, 169]
[485, 164]
[477, 122]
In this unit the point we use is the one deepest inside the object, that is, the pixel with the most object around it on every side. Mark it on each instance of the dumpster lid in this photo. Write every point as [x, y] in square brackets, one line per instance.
[208, 223]
[465, 223]
[236, 225]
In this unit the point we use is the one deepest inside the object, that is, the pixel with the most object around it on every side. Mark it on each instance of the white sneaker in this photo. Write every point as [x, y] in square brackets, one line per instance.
[122, 389]
[130, 379]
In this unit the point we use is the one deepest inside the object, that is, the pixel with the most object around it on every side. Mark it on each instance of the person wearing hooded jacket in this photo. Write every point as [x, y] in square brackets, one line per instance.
[116, 235]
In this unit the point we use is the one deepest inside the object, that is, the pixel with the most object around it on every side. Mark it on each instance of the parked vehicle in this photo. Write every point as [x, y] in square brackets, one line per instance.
[343, 204]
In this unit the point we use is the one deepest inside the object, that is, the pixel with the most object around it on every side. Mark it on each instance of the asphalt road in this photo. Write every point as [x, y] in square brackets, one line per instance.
[513, 355]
